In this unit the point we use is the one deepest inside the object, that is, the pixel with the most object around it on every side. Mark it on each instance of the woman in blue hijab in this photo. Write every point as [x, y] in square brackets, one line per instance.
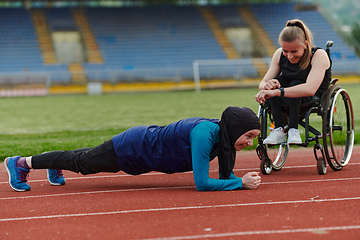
[186, 145]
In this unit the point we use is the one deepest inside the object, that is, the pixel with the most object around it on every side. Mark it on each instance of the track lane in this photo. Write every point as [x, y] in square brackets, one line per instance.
[293, 202]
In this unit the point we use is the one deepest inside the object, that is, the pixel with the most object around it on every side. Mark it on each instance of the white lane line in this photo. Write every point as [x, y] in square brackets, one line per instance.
[263, 232]
[158, 173]
[164, 188]
[314, 180]
[177, 208]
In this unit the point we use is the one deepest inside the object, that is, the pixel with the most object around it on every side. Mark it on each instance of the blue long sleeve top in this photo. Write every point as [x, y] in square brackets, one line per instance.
[202, 138]
[185, 145]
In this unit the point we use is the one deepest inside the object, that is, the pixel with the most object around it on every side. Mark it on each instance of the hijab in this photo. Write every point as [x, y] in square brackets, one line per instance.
[235, 121]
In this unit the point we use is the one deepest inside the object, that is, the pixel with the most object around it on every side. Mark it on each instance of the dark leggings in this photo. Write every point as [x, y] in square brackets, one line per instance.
[294, 105]
[101, 158]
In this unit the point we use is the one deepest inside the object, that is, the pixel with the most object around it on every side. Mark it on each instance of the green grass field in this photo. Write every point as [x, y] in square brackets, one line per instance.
[33, 125]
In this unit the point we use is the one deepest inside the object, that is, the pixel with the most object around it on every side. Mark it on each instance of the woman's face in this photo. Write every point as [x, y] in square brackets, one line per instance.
[246, 139]
[294, 50]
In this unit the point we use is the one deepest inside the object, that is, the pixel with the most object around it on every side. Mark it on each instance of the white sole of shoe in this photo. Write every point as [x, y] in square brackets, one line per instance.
[294, 143]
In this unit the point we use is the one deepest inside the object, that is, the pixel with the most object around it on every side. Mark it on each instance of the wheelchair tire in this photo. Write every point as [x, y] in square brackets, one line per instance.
[321, 166]
[266, 166]
[338, 128]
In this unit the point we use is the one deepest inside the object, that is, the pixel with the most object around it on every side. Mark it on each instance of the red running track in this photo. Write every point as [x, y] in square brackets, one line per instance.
[294, 203]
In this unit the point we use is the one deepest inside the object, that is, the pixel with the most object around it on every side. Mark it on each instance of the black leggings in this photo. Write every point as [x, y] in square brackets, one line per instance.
[293, 103]
[101, 158]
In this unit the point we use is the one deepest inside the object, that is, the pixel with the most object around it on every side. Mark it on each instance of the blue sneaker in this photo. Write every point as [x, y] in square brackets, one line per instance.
[55, 177]
[17, 175]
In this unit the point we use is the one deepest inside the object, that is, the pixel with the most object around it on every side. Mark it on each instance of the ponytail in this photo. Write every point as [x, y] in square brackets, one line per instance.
[296, 29]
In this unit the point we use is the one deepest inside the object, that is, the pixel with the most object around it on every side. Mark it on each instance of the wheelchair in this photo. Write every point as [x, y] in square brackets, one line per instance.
[334, 139]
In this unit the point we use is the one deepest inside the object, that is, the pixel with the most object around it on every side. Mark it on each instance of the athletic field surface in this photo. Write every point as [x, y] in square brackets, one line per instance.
[293, 203]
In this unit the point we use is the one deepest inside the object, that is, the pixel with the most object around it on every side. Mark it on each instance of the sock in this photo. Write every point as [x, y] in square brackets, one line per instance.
[21, 162]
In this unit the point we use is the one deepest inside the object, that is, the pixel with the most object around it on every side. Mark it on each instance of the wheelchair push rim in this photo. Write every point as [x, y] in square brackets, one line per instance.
[276, 154]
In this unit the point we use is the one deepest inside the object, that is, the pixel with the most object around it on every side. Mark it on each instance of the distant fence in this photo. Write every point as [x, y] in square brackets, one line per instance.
[24, 84]
[143, 74]
[38, 83]
[228, 68]
[212, 71]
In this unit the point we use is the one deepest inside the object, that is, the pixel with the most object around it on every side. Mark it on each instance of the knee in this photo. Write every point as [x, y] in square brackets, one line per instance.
[274, 100]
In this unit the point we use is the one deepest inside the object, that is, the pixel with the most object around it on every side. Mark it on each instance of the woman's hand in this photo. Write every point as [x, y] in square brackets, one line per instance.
[251, 180]
[262, 95]
[272, 84]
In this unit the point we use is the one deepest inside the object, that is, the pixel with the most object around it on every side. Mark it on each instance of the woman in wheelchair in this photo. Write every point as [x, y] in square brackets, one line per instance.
[297, 72]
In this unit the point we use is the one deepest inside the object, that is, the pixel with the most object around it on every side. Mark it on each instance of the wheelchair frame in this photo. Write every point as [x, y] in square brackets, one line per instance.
[337, 132]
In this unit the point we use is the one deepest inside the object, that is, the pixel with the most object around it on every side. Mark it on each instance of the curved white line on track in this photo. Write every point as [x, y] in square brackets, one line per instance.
[176, 208]
[164, 188]
[299, 230]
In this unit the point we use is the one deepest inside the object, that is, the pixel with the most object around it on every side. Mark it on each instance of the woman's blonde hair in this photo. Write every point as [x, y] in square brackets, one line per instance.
[296, 29]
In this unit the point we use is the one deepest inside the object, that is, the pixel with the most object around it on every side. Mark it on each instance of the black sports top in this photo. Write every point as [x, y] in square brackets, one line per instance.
[293, 71]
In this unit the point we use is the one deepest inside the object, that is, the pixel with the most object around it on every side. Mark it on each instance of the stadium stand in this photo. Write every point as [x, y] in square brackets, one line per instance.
[154, 42]
[163, 38]
[18, 43]
[60, 19]
[228, 16]
[132, 39]
[19, 46]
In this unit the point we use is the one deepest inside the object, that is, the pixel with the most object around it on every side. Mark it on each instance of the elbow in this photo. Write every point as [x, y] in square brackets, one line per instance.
[201, 189]
[202, 186]
[310, 93]
[261, 86]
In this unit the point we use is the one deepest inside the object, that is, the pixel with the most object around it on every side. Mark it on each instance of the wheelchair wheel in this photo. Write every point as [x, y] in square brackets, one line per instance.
[266, 166]
[321, 165]
[265, 162]
[276, 153]
[338, 128]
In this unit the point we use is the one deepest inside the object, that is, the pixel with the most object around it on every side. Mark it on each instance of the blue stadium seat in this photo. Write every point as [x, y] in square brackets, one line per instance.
[229, 16]
[20, 51]
[135, 38]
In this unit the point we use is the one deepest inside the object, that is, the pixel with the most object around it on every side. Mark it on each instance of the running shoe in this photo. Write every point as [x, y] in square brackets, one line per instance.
[17, 175]
[277, 136]
[294, 136]
[55, 177]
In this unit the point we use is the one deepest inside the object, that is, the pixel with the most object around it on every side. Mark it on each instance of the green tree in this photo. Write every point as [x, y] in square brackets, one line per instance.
[355, 32]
